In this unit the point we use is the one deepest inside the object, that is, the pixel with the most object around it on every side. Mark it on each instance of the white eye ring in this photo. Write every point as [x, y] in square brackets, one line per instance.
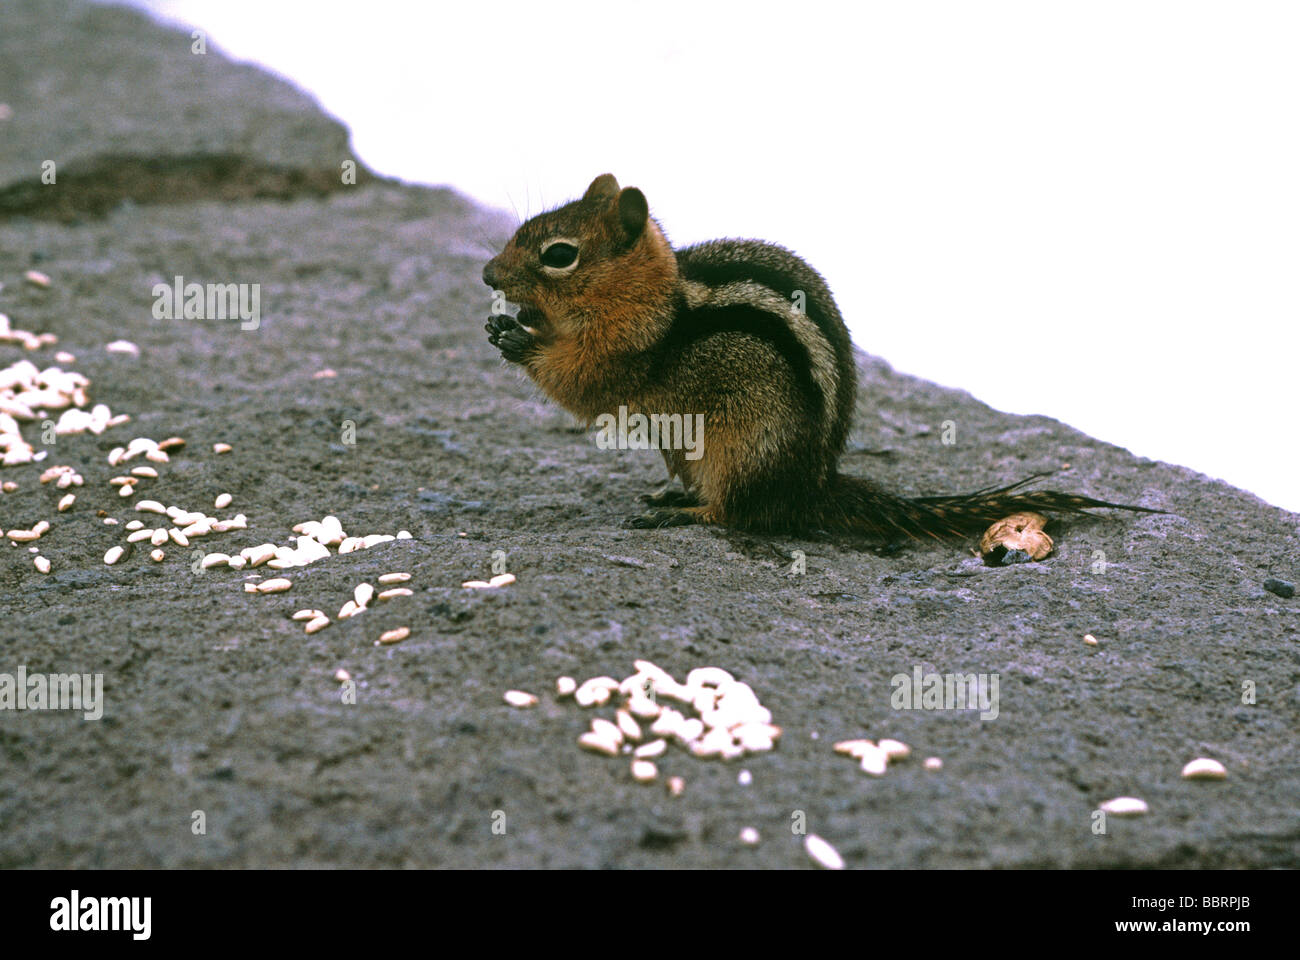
[560, 271]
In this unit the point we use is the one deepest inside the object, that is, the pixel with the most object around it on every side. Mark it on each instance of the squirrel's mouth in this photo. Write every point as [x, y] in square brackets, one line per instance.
[530, 318]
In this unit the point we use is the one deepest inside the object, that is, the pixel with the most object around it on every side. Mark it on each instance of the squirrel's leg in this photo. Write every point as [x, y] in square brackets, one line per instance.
[674, 517]
[668, 495]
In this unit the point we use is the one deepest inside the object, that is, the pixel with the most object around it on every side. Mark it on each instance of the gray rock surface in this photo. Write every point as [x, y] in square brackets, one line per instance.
[218, 702]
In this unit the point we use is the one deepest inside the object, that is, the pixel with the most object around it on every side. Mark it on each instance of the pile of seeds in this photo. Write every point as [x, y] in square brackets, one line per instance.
[28, 394]
[360, 602]
[717, 716]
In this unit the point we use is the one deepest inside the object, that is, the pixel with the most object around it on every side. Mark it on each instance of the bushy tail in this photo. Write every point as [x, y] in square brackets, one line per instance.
[854, 505]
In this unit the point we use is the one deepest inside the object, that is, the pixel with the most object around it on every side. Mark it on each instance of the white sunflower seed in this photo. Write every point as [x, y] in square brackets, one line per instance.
[822, 853]
[1125, 807]
[1203, 768]
[598, 744]
[518, 698]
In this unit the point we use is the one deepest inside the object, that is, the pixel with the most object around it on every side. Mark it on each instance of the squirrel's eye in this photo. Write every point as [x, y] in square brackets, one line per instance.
[559, 255]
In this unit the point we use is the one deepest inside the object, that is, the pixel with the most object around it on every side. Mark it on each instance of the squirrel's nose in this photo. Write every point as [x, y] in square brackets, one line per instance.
[490, 274]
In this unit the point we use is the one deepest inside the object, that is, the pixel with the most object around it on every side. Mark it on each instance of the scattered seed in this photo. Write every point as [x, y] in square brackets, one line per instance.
[348, 609]
[256, 556]
[1125, 807]
[42, 564]
[744, 778]
[135, 525]
[159, 537]
[67, 501]
[394, 636]
[138, 535]
[895, 749]
[595, 692]
[113, 555]
[564, 686]
[152, 506]
[9, 486]
[157, 556]
[180, 538]
[598, 744]
[223, 500]
[1203, 768]
[320, 623]
[1089, 639]
[213, 560]
[276, 585]
[606, 730]
[307, 615]
[933, 763]
[676, 785]
[144, 471]
[709, 677]
[23, 536]
[875, 761]
[654, 748]
[342, 676]
[518, 698]
[126, 490]
[110, 521]
[643, 771]
[363, 594]
[37, 279]
[250, 588]
[221, 448]
[395, 592]
[749, 837]
[630, 728]
[395, 578]
[502, 580]
[822, 853]
[854, 748]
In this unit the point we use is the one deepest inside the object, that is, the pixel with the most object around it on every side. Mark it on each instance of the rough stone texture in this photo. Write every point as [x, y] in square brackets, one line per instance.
[217, 701]
[124, 108]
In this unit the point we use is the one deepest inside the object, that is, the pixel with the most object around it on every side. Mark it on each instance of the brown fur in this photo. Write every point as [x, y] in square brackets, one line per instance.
[627, 324]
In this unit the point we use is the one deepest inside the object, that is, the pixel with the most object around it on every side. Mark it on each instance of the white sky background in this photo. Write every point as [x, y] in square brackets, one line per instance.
[1089, 210]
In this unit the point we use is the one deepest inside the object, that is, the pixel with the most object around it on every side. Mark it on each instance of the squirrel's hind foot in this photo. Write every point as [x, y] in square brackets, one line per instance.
[670, 496]
[672, 517]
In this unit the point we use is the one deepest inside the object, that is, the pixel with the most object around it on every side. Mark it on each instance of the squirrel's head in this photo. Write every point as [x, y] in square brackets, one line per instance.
[592, 260]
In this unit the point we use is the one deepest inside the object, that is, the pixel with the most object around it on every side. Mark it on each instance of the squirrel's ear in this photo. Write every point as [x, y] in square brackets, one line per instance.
[604, 186]
[632, 212]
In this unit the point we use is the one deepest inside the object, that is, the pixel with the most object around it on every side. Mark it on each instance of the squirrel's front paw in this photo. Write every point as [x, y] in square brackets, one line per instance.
[506, 335]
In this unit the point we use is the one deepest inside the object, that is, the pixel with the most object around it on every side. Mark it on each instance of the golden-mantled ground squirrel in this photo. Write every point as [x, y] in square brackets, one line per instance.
[741, 331]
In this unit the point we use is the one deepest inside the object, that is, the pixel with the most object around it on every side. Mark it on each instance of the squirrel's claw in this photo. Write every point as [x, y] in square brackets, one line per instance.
[655, 519]
[506, 335]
